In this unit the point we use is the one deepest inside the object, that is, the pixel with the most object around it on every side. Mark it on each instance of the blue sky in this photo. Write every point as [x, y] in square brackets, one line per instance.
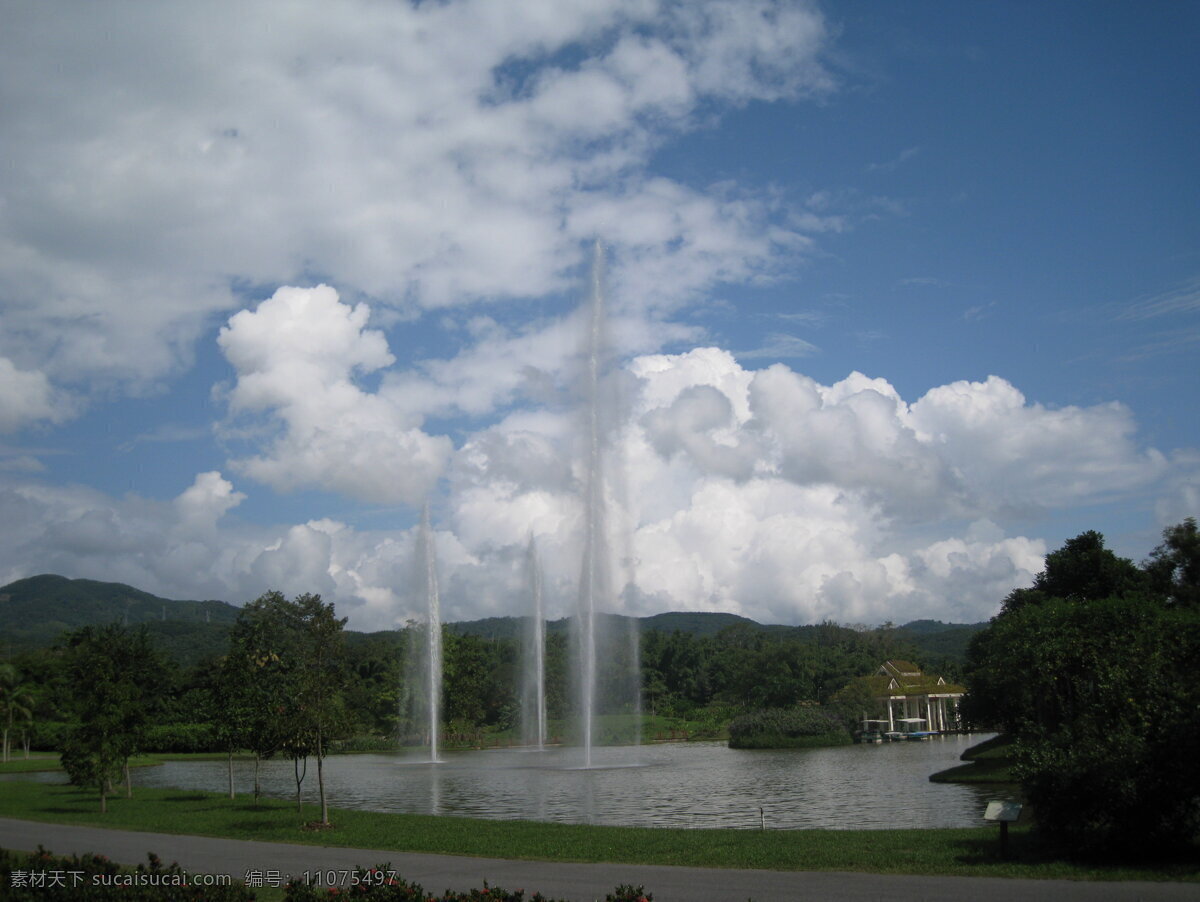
[903, 296]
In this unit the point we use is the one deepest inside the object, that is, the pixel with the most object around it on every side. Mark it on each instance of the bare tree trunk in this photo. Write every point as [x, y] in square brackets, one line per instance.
[257, 759]
[299, 779]
[321, 780]
[103, 796]
[128, 781]
[5, 754]
[231, 773]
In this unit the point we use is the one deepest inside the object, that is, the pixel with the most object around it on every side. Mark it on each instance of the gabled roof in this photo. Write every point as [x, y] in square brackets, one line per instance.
[905, 678]
[900, 669]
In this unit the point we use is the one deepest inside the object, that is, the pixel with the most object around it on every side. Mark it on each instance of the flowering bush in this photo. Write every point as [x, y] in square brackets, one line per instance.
[382, 884]
[93, 878]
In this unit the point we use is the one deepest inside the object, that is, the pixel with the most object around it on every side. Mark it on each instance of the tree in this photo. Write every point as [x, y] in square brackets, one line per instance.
[322, 676]
[1108, 760]
[1097, 687]
[256, 679]
[1082, 570]
[1174, 566]
[231, 701]
[282, 682]
[116, 680]
[16, 703]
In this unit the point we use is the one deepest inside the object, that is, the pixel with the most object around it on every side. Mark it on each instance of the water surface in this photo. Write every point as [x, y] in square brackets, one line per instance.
[695, 784]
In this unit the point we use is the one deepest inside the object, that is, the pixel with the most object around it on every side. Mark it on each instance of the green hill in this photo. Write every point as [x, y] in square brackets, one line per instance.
[698, 623]
[37, 610]
[943, 642]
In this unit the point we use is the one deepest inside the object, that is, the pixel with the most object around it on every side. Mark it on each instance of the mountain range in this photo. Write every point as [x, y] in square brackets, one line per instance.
[35, 611]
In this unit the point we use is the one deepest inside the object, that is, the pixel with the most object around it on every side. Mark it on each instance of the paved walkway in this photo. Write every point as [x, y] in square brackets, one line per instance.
[577, 882]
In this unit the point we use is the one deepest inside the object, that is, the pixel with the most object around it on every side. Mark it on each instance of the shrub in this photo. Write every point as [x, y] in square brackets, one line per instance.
[93, 878]
[180, 737]
[799, 727]
[49, 735]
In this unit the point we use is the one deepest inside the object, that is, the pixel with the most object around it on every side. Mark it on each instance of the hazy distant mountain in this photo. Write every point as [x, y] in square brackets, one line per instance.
[698, 623]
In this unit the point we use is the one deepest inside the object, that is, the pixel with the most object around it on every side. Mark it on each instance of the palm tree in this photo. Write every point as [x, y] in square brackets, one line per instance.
[16, 702]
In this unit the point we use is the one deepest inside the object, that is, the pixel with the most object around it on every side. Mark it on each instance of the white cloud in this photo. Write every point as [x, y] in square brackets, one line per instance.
[424, 155]
[27, 397]
[205, 502]
[761, 492]
[780, 346]
[296, 357]
[1013, 454]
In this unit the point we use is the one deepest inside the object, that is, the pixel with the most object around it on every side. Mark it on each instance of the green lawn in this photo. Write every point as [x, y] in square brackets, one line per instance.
[37, 761]
[968, 852]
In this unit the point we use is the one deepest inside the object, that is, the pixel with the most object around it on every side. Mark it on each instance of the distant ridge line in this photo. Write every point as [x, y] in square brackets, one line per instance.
[35, 610]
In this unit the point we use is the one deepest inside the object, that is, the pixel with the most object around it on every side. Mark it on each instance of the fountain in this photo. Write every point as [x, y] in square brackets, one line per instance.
[431, 659]
[595, 578]
[534, 700]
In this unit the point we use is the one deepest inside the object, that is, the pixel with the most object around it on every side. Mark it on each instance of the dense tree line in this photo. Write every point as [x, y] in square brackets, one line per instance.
[293, 685]
[1092, 671]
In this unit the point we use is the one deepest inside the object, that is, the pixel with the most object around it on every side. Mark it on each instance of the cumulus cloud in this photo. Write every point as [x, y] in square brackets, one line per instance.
[761, 492]
[204, 502]
[296, 357]
[1011, 453]
[767, 493]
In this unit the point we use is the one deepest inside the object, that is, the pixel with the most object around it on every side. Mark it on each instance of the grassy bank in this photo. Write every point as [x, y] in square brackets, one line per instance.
[966, 852]
[987, 762]
[37, 761]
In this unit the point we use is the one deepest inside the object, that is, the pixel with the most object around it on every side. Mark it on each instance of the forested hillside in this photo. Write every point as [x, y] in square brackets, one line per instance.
[36, 611]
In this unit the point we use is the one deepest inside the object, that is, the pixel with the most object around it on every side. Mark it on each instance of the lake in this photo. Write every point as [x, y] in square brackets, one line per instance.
[692, 784]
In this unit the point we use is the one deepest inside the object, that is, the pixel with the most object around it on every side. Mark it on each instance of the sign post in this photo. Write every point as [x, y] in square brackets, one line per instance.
[1004, 812]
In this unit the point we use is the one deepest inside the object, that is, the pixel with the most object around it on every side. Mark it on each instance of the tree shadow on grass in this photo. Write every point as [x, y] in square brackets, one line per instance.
[190, 797]
[249, 826]
[261, 808]
[1024, 848]
[983, 851]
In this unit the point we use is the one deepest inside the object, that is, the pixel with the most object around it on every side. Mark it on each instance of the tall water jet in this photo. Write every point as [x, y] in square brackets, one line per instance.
[535, 655]
[432, 664]
[594, 576]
